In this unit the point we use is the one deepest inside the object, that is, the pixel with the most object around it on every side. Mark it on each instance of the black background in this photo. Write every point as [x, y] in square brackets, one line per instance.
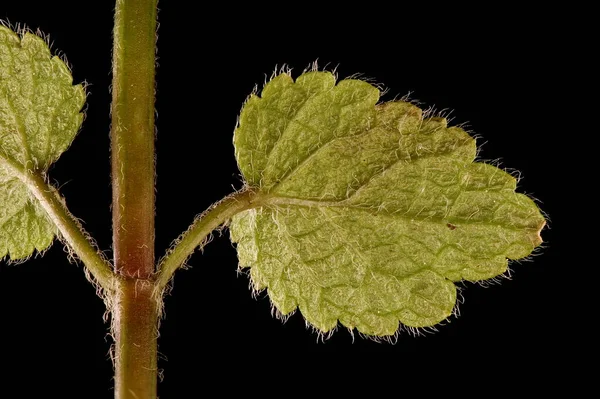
[501, 71]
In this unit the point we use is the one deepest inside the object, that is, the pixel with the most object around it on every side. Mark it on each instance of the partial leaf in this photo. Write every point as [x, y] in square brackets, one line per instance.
[370, 211]
[40, 114]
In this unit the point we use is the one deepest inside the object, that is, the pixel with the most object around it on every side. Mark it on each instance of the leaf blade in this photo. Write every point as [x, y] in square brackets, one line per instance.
[40, 114]
[370, 225]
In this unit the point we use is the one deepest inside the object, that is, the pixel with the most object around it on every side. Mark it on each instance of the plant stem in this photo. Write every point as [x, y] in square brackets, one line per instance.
[135, 321]
[196, 234]
[132, 137]
[132, 148]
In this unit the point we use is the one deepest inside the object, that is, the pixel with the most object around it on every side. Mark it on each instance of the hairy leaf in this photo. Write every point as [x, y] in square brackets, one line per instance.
[39, 118]
[370, 211]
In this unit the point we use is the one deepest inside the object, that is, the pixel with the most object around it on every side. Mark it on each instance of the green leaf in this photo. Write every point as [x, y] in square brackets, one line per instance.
[370, 212]
[39, 118]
